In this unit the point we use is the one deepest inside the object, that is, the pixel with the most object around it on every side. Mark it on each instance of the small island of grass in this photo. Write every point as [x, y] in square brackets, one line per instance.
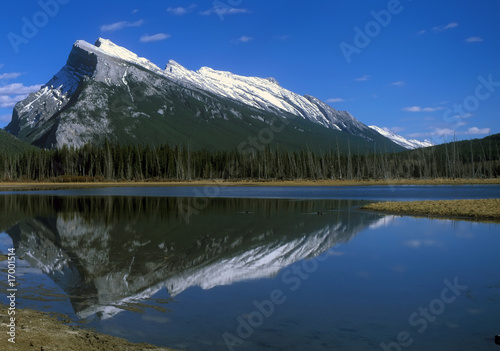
[478, 210]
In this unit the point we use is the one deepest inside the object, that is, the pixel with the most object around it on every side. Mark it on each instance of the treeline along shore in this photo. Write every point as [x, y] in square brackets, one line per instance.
[114, 162]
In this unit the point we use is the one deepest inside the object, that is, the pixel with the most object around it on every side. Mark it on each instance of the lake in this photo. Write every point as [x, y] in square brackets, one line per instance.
[258, 268]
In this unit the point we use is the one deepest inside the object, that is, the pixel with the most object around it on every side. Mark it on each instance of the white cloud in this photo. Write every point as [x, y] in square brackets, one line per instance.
[282, 37]
[412, 109]
[438, 29]
[448, 132]
[1, 65]
[432, 109]
[155, 37]
[179, 11]
[335, 100]
[362, 79]
[135, 11]
[243, 39]
[8, 101]
[399, 83]
[223, 11]
[421, 109]
[120, 25]
[5, 118]
[474, 39]
[18, 89]
[12, 93]
[12, 75]
[444, 131]
[476, 130]
[451, 25]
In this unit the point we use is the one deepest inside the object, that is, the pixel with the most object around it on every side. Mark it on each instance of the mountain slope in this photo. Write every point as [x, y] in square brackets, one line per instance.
[477, 150]
[402, 141]
[106, 92]
[10, 144]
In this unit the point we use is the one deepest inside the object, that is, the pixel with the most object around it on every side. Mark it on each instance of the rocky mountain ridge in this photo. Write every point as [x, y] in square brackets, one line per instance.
[106, 92]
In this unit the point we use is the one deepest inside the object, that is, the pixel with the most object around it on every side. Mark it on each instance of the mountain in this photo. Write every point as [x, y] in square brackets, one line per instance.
[106, 92]
[402, 141]
[10, 144]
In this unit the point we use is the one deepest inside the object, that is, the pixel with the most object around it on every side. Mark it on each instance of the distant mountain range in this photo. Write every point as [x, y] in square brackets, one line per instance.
[106, 92]
[402, 141]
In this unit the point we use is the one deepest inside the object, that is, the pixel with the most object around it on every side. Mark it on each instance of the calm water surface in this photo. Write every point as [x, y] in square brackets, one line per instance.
[258, 268]
[400, 192]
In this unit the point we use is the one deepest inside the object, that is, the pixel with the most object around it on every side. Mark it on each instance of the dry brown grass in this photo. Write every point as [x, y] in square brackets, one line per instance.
[480, 210]
[43, 331]
[95, 184]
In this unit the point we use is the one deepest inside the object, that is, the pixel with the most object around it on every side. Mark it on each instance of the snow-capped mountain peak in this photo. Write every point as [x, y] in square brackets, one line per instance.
[108, 48]
[103, 83]
[402, 141]
[261, 93]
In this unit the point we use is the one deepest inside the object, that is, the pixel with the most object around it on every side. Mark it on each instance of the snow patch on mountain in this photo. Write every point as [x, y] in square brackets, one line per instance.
[261, 93]
[107, 47]
[402, 141]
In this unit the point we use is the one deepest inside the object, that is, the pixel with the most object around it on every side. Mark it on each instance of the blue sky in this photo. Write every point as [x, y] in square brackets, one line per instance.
[424, 69]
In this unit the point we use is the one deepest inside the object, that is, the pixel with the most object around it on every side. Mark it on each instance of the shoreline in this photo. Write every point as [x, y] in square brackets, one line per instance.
[484, 210]
[36, 330]
[54, 185]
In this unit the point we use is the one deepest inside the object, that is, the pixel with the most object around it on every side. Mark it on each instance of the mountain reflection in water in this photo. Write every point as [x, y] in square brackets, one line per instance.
[107, 252]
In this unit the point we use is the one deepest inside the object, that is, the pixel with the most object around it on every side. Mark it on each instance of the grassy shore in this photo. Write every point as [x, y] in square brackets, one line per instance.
[49, 185]
[43, 331]
[487, 210]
